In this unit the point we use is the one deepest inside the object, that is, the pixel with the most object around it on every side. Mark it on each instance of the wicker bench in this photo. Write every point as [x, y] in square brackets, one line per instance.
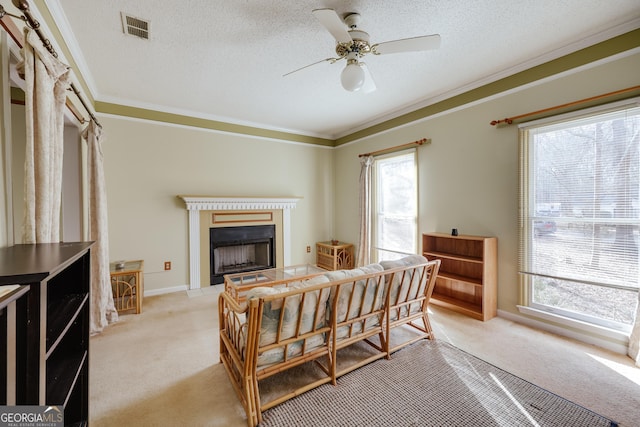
[272, 329]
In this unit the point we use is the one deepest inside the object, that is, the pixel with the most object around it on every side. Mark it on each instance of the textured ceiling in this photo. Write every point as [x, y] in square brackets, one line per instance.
[225, 59]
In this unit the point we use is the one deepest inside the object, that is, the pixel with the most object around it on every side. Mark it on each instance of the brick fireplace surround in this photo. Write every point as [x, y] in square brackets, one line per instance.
[278, 208]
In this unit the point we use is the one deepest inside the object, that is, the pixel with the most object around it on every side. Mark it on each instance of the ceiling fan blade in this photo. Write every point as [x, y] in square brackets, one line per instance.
[332, 22]
[369, 84]
[413, 44]
[329, 60]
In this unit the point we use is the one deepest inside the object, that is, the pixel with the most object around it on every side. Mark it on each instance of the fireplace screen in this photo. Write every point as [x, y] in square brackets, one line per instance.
[238, 249]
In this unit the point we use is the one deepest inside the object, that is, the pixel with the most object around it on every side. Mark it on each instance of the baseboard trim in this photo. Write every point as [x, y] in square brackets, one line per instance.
[152, 292]
[616, 347]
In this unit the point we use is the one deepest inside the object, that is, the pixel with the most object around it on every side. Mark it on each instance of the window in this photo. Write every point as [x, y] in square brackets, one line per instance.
[580, 216]
[395, 205]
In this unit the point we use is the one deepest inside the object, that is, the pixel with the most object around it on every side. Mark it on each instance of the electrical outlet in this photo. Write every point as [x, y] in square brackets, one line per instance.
[167, 265]
[308, 249]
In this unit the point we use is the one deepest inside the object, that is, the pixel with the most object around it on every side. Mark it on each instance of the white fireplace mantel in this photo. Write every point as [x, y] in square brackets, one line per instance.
[195, 204]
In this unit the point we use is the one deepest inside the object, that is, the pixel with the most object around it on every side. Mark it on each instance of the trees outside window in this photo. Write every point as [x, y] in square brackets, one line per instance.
[395, 206]
[580, 216]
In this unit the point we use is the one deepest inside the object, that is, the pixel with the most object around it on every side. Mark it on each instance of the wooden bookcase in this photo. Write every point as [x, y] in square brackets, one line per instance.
[52, 358]
[468, 278]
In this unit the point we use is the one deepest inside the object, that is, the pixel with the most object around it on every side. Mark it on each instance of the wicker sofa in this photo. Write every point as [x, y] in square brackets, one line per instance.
[309, 319]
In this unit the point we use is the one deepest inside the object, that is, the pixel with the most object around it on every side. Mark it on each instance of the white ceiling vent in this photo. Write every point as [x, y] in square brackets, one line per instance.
[135, 26]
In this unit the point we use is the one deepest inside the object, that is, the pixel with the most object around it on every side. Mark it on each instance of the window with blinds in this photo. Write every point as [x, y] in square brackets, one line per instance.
[395, 199]
[580, 216]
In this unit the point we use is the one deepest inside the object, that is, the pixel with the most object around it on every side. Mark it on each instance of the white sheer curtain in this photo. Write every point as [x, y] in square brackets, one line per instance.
[46, 81]
[364, 242]
[103, 310]
[634, 339]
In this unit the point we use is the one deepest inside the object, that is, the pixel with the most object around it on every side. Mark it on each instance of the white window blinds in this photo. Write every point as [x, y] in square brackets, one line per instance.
[579, 208]
[395, 197]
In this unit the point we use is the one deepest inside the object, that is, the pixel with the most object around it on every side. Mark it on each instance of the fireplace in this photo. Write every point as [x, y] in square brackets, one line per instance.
[239, 249]
[241, 210]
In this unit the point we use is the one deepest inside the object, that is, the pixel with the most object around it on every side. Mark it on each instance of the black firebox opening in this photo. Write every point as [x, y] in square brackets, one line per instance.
[240, 249]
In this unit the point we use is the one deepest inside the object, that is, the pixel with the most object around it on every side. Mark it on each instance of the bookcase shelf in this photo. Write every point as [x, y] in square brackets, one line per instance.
[52, 345]
[445, 255]
[468, 308]
[13, 312]
[60, 318]
[468, 277]
[457, 278]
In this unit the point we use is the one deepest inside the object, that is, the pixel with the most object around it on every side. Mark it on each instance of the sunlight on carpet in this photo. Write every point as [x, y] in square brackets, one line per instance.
[624, 370]
[431, 383]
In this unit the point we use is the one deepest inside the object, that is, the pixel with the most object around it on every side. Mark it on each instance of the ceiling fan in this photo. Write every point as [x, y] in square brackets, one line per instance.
[352, 44]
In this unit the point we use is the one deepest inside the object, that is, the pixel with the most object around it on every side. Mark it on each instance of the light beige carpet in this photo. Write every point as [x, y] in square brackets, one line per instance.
[160, 368]
[456, 390]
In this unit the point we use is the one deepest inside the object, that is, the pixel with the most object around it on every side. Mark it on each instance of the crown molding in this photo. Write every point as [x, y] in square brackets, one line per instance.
[191, 119]
[573, 62]
[591, 49]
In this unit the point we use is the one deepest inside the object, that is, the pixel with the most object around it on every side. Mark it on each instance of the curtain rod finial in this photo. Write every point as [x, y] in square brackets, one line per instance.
[497, 122]
[21, 4]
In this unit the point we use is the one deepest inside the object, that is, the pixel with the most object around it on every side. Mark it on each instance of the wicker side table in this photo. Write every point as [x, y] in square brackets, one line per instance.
[127, 284]
[334, 257]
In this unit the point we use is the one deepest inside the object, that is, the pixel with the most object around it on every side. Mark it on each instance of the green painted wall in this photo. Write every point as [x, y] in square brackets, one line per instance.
[468, 175]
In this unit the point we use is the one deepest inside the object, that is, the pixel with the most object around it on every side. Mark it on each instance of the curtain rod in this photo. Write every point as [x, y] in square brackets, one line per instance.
[510, 120]
[397, 147]
[32, 23]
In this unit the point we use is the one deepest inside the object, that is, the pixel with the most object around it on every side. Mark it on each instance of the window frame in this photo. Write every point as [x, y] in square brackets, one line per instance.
[375, 248]
[527, 219]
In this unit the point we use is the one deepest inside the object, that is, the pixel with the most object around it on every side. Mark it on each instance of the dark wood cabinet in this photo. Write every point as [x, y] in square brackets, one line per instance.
[13, 312]
[52, 345]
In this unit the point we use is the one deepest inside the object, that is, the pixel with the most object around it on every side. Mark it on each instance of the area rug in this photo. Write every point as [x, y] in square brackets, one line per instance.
[431, 383]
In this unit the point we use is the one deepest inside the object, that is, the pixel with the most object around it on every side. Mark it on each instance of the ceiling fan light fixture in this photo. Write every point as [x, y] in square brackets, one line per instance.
[352, 76]
[353, 44]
